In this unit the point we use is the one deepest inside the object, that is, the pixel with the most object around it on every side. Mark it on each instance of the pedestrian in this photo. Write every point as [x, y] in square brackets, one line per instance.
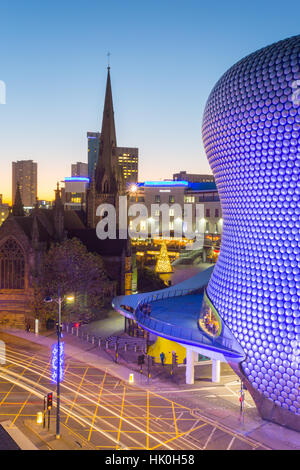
[162, 358]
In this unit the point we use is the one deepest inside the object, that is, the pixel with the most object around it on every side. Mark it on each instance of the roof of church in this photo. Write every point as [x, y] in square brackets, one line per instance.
[45, 223]
[108, 247]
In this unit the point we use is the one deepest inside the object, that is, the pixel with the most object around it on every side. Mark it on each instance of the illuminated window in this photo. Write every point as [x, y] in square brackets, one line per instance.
[189, 198]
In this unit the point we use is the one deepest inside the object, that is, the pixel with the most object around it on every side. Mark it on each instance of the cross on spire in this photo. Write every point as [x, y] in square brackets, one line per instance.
[108, 60]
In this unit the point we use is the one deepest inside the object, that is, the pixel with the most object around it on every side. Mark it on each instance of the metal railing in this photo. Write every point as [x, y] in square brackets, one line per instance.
[182, 332]
[116, 343]
[169, 293]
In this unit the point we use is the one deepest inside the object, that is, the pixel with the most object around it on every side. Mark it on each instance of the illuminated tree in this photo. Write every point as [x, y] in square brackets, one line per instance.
[163, 264]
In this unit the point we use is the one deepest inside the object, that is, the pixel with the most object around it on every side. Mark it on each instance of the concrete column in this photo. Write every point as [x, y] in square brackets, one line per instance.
[189, 370]
[216, 371]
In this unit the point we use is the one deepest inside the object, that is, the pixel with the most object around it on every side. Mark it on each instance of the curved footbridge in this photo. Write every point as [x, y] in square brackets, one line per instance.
[173, 313]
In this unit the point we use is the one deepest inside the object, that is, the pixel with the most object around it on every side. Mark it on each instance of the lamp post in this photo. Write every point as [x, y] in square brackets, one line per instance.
[59, 301]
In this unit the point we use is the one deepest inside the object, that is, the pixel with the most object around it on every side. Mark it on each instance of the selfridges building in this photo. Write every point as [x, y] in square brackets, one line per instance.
[251, 133]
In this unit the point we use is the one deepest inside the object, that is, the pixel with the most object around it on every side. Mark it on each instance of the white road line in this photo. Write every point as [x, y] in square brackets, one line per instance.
[209, 438]
[230, 443]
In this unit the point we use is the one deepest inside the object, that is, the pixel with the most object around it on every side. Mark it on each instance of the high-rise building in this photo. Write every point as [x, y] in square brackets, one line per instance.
[79, 169]
[128, 159]
[93, 151]
[193, 178]
[4, 210]
[24, 172]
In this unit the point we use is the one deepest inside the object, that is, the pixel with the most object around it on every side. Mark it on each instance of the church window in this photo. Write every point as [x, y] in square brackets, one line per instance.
[12, 266]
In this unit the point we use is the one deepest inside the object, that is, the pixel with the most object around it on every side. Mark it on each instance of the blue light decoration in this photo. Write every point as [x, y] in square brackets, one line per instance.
[251, 134]
[78, 179]
[54, 362]
[164, 184]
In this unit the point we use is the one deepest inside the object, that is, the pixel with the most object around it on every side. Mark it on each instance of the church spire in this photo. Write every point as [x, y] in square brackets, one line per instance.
[106, 165]
[18, 208]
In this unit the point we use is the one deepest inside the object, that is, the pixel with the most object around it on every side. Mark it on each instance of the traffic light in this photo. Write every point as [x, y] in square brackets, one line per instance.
[58, 330]
[49, 400]
[174, 358]
[141, 359]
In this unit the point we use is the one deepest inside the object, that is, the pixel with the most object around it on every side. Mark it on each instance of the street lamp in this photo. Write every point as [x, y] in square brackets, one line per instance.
[59, 301]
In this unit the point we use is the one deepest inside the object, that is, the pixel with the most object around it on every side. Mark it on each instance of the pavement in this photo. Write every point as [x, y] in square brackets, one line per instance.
[204, 397]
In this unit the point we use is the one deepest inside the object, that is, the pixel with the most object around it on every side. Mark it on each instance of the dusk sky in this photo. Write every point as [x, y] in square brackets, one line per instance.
[166, 55]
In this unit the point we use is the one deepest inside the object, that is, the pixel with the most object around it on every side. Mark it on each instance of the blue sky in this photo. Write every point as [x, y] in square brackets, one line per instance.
[166, 55]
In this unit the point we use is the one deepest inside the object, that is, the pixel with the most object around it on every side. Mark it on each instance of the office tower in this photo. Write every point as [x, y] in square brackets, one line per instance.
[128, 162]
[193, 177]
[93, 151]
[24, 172]
[79, 169]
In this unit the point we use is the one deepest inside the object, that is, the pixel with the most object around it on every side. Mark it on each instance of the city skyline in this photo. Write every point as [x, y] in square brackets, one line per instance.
[163, 66]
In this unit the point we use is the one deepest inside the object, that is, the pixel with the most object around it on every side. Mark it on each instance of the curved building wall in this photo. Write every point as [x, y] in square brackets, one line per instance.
[251, 137]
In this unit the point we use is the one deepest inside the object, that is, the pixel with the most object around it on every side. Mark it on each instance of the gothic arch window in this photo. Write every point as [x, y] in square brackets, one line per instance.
[105, 189]
[12, 265]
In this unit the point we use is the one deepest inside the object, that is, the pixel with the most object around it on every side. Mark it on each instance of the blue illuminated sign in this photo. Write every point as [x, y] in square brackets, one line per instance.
[73, 179]
[166, 183]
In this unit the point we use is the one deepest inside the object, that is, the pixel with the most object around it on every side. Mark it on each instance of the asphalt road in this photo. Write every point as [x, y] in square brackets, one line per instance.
[103, 411]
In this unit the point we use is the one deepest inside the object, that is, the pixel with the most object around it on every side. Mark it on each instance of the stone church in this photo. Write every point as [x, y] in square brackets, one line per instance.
[24, 239]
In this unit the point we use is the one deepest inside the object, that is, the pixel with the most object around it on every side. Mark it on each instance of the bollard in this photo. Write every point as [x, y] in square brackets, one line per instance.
[106, 344]
[99, 343]
[125, 347]
[135, 347]
[72, 330]
[77, 332]
[93, 340]
[67, 328]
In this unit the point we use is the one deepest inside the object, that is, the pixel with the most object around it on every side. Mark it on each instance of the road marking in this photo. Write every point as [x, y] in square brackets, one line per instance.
[230, 443]
[25, 402]
[180, 435]
[121, 414]
[209, 438]
[96, 410]
[174, 418]
[147, 446]
[76, 395]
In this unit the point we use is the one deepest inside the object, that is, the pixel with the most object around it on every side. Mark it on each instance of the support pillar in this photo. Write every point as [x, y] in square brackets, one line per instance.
[189, 370]
[216, 371]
